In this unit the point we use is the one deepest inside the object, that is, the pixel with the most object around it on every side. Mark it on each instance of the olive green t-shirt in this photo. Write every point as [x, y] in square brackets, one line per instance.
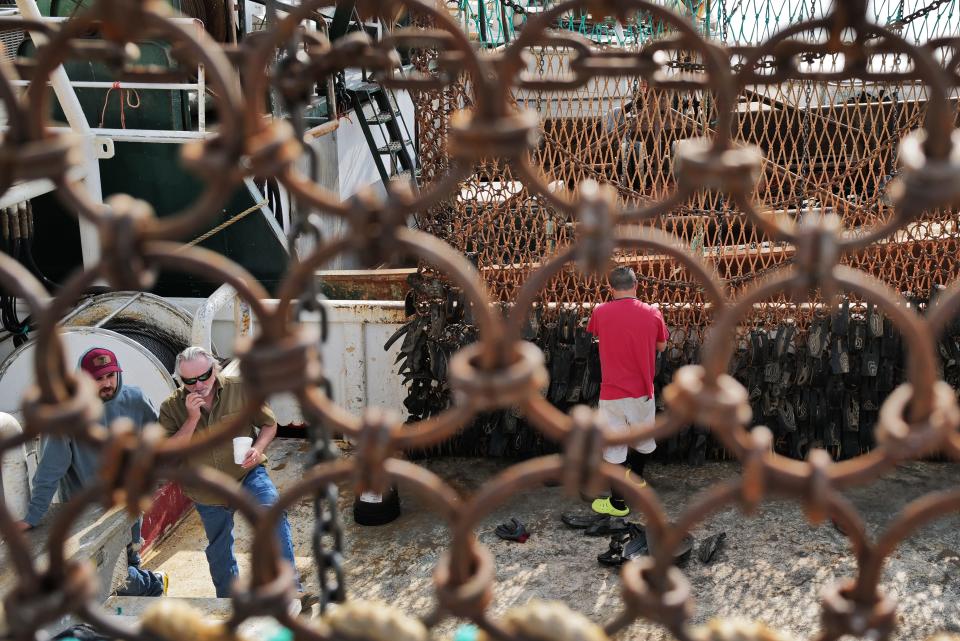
[228, 400]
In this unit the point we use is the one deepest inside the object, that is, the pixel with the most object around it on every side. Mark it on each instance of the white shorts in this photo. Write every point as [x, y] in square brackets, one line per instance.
[623, 413]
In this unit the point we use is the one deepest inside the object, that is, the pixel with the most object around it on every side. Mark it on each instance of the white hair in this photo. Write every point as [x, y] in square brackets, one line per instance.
[192, 353]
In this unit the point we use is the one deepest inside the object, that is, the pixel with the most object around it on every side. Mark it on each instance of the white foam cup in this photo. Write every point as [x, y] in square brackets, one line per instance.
[241, 445]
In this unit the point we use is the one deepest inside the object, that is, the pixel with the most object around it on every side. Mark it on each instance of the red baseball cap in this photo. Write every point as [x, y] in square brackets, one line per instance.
[99, 361]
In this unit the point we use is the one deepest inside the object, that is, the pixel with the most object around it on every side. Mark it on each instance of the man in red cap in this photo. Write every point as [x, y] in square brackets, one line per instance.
[102, 365]
[68, 464]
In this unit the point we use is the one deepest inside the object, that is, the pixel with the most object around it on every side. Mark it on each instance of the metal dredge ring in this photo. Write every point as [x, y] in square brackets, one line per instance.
[195, 260]
[437, 493]
[483, 390]
[15, 136]
[289, 364]
[665, 599]
[458, 269]
[301, 186]
[844, 613]
[537, 30]
[216, 159]
[465, 577]
[533, 473]
[545, 415]
[786, 473]
[640, 576]
[724, 403]
[910, 440]
[938, 118]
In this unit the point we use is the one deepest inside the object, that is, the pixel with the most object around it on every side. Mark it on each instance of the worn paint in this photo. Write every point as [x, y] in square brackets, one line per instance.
[154, 311]
[168, 507]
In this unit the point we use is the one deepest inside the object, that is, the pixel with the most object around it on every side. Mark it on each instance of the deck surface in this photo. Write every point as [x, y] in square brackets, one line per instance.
[773, 567]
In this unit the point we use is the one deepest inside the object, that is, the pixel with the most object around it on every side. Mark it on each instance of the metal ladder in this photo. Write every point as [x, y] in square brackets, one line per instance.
[377, 110]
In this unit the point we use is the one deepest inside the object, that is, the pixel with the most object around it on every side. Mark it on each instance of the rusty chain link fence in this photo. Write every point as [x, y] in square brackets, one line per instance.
[719, 206]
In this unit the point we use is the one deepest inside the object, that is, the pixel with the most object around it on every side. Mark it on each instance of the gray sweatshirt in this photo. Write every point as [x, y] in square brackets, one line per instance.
[69, 464]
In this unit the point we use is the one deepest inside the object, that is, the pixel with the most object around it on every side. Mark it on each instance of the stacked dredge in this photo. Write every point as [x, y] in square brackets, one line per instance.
[831, 145]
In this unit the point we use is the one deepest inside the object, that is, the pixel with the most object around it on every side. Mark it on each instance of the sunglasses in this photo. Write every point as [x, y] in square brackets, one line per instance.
[190, 381]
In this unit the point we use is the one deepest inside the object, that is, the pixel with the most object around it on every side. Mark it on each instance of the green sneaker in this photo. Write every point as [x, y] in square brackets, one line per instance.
[604, 506]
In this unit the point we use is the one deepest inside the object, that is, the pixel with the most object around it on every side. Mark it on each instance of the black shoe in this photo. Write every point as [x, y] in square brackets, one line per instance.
[710, 546]
[512, 531]
[637, 546]
[613, 557]
[606, 526]
[580, 521]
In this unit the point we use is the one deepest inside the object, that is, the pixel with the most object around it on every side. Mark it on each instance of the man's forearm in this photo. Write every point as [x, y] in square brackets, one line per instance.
[185, 433]
[267, 433]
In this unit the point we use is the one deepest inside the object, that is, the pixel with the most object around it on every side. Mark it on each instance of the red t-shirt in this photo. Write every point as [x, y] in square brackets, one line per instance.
[629, 331]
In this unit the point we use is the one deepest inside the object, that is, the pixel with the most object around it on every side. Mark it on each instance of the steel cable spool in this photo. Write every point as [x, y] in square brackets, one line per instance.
[161, 344]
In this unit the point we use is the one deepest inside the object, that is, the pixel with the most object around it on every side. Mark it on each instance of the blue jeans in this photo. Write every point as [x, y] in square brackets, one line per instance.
[218, 524]
[133, 548]
[139, 582]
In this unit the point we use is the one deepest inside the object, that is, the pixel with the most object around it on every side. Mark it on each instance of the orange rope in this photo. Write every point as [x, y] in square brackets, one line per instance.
[124, 100]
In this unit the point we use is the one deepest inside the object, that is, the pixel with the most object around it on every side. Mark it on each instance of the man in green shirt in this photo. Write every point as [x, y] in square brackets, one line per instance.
[206, 399]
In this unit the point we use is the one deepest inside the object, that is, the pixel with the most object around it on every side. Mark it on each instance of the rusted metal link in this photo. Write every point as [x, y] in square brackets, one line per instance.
[666, 601]
[375, 445]
[842, 614]
[266, 599]
[122, 228]
[911, 440]
[290, 364]
[721, 403]
[583, 452]
[67, 417]
[128, 467]
[484, 389]
[53, 597]
[499, 371]
[467, 594]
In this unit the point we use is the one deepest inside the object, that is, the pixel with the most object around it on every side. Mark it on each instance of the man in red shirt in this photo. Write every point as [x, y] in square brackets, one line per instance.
[630, 333]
